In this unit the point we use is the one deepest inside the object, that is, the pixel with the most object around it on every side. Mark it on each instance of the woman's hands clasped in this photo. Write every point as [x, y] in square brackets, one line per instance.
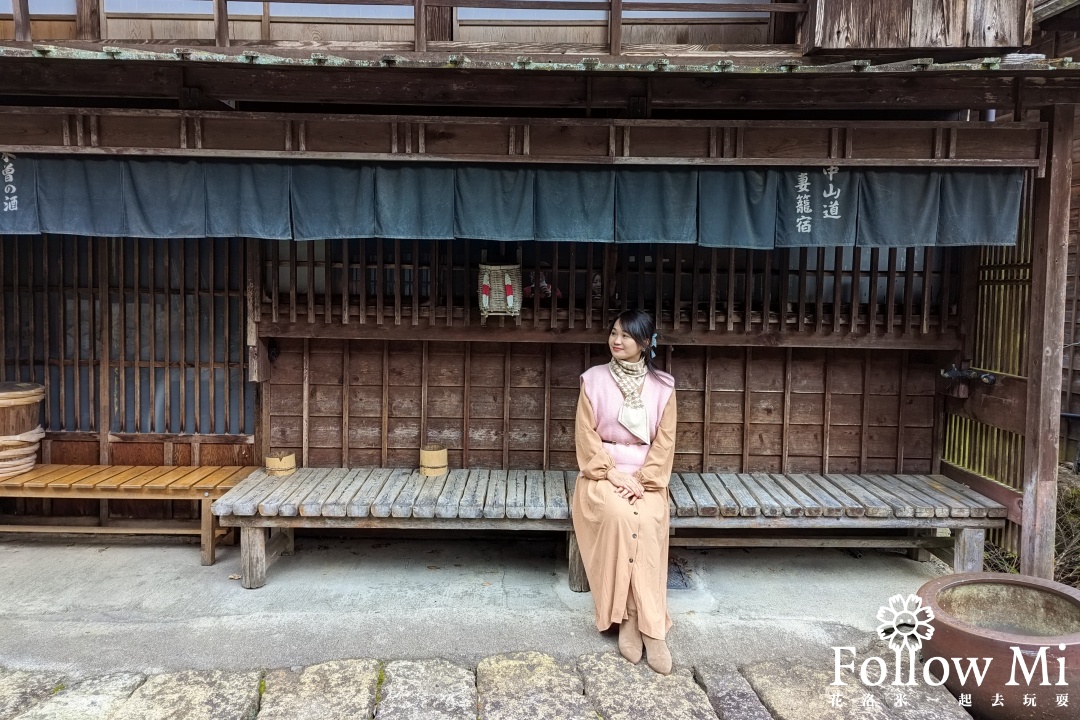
[626, 485]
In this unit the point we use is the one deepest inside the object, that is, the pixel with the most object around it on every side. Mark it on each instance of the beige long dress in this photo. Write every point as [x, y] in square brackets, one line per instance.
[624, 546]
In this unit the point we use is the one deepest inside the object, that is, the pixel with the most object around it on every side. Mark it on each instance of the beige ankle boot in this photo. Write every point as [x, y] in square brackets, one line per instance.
[658, 653]
[630, 637]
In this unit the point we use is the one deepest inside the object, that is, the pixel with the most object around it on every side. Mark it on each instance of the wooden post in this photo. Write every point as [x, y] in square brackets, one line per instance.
[253, 557]
[615, 27]
[968, 550]
[88, 20]
[20, 14]
[1046, 329]
[221, 22]
[208, 534]
[419, 27]
[579, 582]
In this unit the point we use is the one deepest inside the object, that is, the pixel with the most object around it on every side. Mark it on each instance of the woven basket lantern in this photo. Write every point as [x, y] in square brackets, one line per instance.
[499, 290]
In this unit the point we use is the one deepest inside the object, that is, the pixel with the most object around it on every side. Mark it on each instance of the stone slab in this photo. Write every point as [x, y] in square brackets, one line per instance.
[730, 694]
[800, 689]
[93, 699]
[426, 690]
[336, 690]
[20, 691]
[621, 691]
[530, 685]
[191, 695]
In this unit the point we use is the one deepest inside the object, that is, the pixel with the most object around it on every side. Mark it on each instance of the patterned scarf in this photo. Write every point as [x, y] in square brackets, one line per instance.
[630, 377]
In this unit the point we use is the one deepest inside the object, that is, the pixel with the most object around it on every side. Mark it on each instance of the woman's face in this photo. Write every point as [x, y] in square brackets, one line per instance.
[622, 346]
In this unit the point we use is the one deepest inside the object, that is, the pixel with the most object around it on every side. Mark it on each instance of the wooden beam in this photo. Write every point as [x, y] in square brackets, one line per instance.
[1046, 9]
[419, 26]
[1045, 332]
[615, 27]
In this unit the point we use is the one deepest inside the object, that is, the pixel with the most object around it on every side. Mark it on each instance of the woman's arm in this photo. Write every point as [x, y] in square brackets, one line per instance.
[593, 460]
[655, 474]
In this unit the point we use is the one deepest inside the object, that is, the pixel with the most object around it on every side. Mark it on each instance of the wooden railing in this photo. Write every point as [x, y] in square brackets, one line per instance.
[89, 14]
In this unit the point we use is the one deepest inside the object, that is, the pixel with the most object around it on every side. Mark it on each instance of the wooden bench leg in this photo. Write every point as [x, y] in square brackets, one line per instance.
[919, 554]
[968, 549]
[579, 582]
[253, 557]
[208, 532]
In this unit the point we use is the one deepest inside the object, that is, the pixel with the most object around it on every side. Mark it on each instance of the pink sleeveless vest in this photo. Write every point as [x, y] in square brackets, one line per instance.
[606, 399]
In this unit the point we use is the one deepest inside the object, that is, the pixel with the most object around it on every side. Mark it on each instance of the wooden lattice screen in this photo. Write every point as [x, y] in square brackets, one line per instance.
[892, 296]
[147, 334]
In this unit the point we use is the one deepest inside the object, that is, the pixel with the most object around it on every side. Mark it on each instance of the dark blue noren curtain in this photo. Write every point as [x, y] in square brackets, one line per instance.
[816, 207]
[980, 207]
[899, 208]
[332, 201]
[181, 184]
[656, 205]
[755, 208]
[19, 211]
[248, 199]
[494, 203]
[81, 196]
[575, 204]
[414, 201]
[737, 207]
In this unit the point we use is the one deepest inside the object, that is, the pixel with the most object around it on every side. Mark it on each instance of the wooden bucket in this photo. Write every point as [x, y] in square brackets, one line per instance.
[20, 431]
[433, 460]
[280, 463]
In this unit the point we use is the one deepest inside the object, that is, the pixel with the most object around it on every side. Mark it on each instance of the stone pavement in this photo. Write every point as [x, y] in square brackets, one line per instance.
[512, 686]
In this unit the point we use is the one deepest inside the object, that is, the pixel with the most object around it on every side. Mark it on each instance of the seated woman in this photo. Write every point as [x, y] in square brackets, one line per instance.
[625, 437]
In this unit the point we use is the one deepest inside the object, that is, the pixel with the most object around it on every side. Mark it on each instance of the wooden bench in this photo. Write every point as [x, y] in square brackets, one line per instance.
[540, 500]
[126, 482]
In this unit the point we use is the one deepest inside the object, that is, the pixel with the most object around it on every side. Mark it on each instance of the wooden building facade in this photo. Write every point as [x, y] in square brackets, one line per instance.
[355, 351]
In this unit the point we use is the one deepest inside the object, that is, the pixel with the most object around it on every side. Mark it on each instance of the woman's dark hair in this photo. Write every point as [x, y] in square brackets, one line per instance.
[639, 325]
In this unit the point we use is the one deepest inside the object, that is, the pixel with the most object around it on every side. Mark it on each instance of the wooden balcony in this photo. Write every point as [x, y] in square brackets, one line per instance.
[589, 27]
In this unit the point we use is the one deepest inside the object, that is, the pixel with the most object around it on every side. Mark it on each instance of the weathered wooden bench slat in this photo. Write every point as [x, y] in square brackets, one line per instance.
[810, 506]
[495, 504]
[913, 506]
[384, 502]
[534, 494]
[852, 508]
[337, 504]
[290, 506]
[312, 505]
[403, 504]
[830, 506]
[897, 505]
[723, 498]
[919, 492]
[272, 502]
[791, 506]
[874, 506]
[556, 507]
[748, 505]
[424, 507]
[360, 503]
[957, 506]
[248, 496]
[450, 497]
[993, 509]
[515, 494]
[703, 501]
[769, 506]
[976, 510]
[472, 500]
[684, 501]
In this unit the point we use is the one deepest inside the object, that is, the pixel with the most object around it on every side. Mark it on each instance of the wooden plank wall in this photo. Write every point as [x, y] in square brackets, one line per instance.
[340, 403]
[858, 24]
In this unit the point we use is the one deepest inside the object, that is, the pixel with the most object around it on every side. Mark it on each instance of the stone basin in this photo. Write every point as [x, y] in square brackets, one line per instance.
[986, 615]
